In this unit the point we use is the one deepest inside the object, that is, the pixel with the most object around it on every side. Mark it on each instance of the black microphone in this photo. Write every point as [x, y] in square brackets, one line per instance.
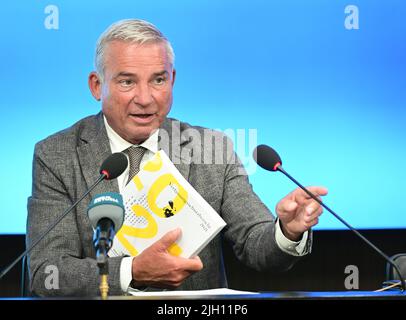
[111, 168]
[268, 158]
[106, 215]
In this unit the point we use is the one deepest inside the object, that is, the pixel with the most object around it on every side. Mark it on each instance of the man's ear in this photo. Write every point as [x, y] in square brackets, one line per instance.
[95, 85]
[173, 77]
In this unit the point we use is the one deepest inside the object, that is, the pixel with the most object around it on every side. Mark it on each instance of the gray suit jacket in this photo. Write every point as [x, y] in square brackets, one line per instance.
[67, 163]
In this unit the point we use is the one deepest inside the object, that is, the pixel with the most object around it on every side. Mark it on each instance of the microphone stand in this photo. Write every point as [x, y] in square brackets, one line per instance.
[278, 167]
[102, 241]
[104, 278]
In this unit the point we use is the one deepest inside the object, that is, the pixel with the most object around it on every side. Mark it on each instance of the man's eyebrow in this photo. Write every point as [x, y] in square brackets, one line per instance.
[161, 73]
[125, 74]
[129, 74]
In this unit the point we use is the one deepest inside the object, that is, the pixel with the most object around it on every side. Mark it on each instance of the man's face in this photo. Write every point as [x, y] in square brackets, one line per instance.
[136, 93]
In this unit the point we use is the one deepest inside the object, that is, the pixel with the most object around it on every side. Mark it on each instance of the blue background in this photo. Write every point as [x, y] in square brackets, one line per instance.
[330, 100]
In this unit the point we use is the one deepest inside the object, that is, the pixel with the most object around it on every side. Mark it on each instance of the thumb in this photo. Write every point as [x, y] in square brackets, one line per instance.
[169, 238]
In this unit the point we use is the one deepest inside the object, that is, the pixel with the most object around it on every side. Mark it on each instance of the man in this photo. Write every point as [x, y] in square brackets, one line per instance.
[134, 79]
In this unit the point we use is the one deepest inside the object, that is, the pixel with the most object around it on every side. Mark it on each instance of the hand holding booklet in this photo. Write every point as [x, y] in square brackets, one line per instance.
[158, 200]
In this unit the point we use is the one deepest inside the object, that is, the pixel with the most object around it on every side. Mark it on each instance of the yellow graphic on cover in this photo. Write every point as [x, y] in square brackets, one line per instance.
[147, 211]
[157, 200]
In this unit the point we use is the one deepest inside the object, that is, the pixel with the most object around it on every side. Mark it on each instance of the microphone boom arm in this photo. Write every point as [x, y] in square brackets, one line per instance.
[34, 244]
[388, 259]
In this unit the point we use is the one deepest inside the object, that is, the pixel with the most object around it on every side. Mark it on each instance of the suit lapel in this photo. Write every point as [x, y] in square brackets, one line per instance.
[175, 146]
[92, 151]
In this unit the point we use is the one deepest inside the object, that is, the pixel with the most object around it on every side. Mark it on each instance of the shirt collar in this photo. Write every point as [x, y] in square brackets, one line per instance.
[118, 144]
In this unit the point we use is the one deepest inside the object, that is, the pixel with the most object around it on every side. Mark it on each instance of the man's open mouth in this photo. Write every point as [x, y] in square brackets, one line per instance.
[143, 117]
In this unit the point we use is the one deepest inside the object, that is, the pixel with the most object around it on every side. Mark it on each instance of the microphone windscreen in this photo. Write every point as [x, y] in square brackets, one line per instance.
[106, 205]
[114, 165]
[267, 158]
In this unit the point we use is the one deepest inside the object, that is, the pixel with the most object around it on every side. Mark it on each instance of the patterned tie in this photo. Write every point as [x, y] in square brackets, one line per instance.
[135, 155]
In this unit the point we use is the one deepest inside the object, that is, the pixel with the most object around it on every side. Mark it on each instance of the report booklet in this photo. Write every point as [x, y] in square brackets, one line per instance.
[159, 199]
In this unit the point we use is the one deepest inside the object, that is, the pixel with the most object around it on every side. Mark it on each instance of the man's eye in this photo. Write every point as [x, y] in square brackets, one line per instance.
[160, 80]
[126, 82]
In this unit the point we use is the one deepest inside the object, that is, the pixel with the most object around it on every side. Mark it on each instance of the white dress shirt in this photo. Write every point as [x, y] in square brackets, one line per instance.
[118, 144]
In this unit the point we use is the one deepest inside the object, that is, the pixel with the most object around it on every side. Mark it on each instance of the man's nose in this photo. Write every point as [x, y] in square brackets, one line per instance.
[143, 95]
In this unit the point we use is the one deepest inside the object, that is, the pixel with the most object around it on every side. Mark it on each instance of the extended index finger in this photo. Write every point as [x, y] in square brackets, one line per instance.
[318, 191]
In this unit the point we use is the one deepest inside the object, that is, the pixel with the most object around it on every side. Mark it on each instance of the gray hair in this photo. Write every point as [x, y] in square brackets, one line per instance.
[132, 31]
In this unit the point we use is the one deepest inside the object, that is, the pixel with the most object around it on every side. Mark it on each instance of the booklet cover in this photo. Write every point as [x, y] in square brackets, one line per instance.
[159, 199]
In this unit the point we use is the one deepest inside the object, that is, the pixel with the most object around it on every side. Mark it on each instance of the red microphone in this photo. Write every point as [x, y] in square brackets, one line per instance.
[114, 165]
